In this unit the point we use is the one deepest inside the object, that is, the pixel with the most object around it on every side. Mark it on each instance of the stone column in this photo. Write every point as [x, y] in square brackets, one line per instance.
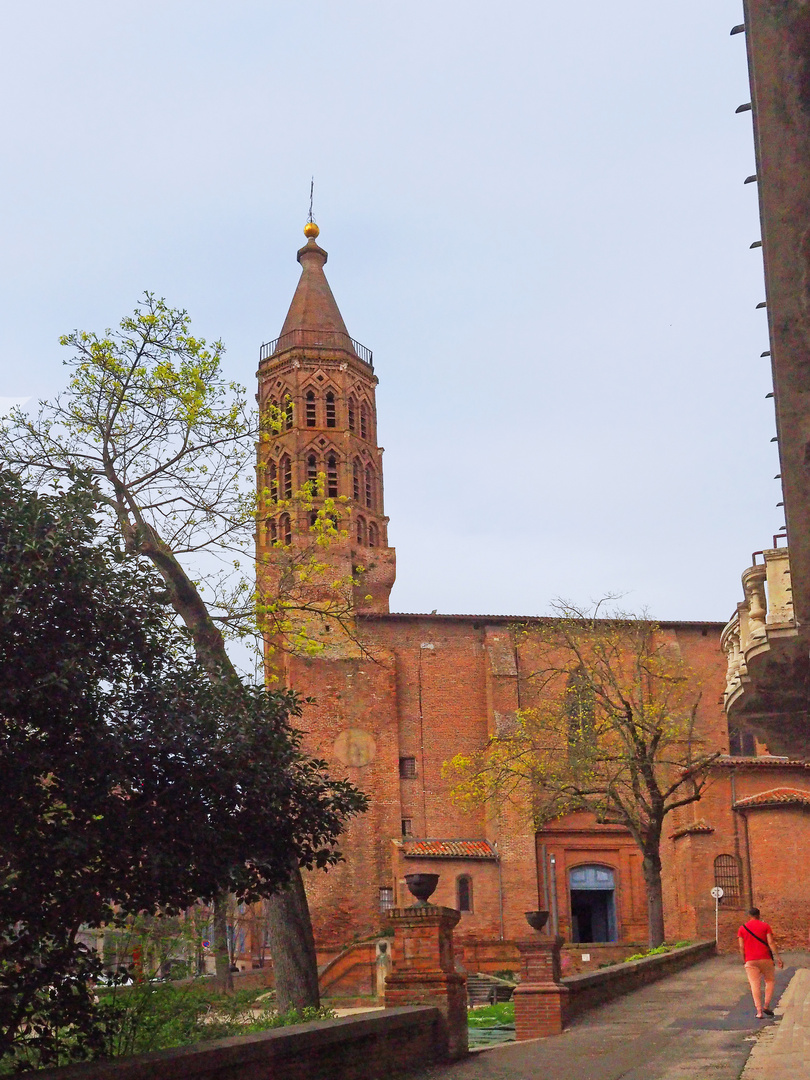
[423, 969]
[540, 1000]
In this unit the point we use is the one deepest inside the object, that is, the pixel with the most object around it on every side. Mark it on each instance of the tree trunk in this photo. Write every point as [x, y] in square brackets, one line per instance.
[292, 947]
[222, 957]
[289, 926]
[651, 868]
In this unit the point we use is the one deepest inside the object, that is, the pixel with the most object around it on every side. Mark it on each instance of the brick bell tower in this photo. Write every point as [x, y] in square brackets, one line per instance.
[322, 383]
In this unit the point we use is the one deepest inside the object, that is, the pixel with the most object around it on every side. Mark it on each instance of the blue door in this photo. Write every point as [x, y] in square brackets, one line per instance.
[593, 904]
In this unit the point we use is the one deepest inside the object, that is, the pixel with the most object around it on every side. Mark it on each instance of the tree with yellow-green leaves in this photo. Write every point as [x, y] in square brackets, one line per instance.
[169, 447]
[611, 729]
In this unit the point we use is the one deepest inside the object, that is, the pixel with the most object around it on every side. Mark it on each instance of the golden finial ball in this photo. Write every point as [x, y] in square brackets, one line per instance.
[311, 230]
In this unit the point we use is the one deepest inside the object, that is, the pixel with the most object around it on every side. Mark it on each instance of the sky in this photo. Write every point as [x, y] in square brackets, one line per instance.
[535, 216]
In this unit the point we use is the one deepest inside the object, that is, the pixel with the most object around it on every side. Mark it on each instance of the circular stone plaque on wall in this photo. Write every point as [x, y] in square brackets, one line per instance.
[355, 747]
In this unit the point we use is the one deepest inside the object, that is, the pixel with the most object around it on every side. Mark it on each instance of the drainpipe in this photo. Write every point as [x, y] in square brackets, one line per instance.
[555, 922]
[749, 874]
[736, 822]
[544, 860]
[500, 888]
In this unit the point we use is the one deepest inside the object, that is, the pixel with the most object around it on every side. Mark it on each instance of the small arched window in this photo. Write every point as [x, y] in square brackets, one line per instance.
[369, 492]
[285, 477]
[331, 418]
[331, 477]
[372, 535]
[361, 531]
[312, 473]
[363, 420]
[288, 414]
[464, 893]
[357, 478]
[285, 529]
[310, 408]
[271, 531]
[352, 404]
[272, 474]
[274, 417]
[727, 877]
[313, 518]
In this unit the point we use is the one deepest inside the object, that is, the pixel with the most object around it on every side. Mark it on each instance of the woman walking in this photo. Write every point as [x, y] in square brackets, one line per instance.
[759, 952]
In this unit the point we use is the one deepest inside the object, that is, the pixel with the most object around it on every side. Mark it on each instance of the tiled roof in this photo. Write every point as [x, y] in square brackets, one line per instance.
[764, 761]
[780, 796]
[699, 826]
[448, 849]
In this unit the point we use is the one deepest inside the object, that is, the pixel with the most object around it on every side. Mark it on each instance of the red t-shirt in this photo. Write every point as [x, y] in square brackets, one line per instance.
[755, 950]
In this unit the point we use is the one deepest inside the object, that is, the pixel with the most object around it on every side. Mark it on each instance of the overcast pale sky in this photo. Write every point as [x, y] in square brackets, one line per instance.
[535, 216]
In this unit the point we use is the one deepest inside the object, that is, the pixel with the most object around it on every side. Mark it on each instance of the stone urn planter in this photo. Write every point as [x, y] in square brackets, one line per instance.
[422, 886]
[537, 919]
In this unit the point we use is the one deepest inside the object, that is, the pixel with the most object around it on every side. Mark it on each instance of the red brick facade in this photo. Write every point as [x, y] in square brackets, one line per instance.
[428, 687]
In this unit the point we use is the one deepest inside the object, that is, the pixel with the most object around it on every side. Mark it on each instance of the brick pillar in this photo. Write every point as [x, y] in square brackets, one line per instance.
[423, 969]
[540, 999]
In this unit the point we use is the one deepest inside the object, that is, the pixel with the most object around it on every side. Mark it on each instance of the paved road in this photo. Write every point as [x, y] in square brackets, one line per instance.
[695, 1025]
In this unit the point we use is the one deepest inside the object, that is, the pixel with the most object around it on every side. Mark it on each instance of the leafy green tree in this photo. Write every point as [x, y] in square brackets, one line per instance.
[132, 781]
[611, 728]
[170, 446]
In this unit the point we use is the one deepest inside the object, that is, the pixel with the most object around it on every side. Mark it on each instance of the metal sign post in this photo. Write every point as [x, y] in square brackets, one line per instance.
[717, 893]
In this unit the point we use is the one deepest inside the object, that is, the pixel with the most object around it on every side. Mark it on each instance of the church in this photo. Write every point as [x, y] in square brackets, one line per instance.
[421, 688]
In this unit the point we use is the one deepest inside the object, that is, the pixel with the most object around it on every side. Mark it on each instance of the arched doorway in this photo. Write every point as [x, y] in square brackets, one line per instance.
[593, 904]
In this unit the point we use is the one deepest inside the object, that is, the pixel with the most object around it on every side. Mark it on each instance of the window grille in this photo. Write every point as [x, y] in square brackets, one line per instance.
[369, 488]
[741, 743]
[352, 413]
[288, 415]
[727, 876]
[330, 410]
[272, 531]
[361, 531]
[357, 471]
[407, 826]
[285, 529]
[407, 768]
[363, 421]
[386, 898]
[312, 473]
[464, 896]
[285, 469]
[310, 408]
[332, 477]
[372, 535]
[273, 475]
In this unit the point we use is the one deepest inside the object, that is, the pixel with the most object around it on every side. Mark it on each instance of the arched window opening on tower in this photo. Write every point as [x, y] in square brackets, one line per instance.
[312, 473]
[310, 408]
[285, 477]
[727, 877]
[331, 417]
[331, 477]
[464, 893]
[285, 529]
[288, 414]
[363, 420]
[361, 531]
[352, 403]
[373, 538]
[271, 531]
[313, 518]
[369, 487]
[274, 417]
[272, 476]
[357, 474]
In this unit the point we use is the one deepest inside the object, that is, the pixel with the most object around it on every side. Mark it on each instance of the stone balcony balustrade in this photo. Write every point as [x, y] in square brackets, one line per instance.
[767, 650]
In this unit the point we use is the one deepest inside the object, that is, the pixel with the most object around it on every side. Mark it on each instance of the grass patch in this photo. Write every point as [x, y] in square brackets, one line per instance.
[492, 1015]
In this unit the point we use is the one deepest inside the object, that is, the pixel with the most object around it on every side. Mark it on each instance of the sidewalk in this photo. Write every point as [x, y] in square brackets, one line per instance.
[783, 1051]
[697, 1024]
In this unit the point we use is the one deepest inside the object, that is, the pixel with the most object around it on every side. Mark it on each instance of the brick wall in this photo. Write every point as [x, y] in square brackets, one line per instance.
[352, 1048]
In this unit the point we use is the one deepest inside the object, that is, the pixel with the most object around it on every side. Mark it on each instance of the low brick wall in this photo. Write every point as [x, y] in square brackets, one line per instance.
[352, 1048]
[596, 987]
